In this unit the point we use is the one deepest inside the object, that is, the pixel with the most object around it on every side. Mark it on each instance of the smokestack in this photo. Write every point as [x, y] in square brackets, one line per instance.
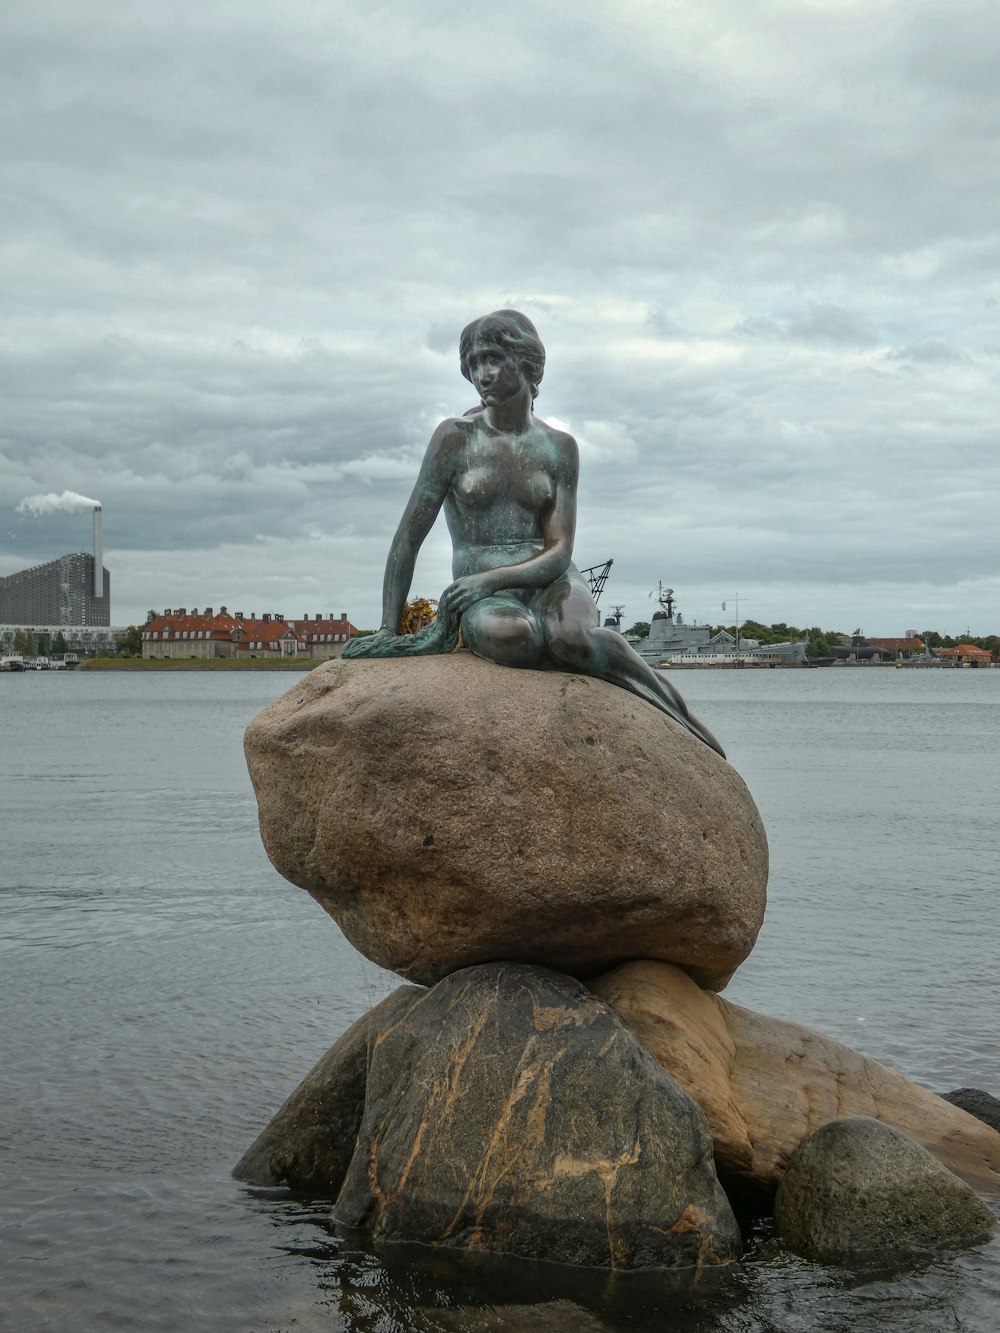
[98, 554]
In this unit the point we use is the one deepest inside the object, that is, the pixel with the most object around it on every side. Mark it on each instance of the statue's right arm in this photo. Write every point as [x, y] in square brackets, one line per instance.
[418, 518]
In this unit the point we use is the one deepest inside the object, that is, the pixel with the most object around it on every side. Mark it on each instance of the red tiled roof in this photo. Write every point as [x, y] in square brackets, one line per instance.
[309, 630]
[218, 626]
[257, 631]
[963, 650]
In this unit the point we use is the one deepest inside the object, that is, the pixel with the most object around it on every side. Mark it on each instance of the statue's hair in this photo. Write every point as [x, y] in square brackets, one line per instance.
[512, 332]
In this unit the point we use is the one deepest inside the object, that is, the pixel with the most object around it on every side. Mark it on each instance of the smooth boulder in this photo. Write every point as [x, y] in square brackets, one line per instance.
[859, 1187]
[447, 811]
[766, 1084]
[509, 1111]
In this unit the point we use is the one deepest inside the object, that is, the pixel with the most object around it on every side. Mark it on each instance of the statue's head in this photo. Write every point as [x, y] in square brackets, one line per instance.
[511, 332]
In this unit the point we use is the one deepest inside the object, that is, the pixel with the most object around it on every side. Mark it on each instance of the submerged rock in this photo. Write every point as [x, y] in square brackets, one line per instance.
[448, 811]
[505, 1111]
[511, 1111]
[765, 1084]
[983, 1105]
[858, 1186]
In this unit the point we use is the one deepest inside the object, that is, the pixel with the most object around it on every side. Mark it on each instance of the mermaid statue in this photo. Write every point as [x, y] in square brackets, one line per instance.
[507, 482]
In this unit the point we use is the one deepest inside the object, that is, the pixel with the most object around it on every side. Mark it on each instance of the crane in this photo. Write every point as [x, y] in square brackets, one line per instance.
[597, 576]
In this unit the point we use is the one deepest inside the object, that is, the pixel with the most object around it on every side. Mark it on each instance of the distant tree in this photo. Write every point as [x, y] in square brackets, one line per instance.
[59, 643]
[151, 616]
[130, 643]
[640, 630]
[25, 643]
[818, 645]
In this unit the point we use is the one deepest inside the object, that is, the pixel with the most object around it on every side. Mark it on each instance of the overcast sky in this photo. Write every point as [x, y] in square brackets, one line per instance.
[759, 239]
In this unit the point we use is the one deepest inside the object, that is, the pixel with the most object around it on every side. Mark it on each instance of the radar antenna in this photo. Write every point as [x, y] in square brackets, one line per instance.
[665, 596]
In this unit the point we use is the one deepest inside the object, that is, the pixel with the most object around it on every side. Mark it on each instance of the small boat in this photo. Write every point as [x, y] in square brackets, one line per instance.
[12, 662]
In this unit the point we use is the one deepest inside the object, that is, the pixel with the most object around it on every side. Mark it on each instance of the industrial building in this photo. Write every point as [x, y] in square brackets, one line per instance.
[70, 596]
[58, 593]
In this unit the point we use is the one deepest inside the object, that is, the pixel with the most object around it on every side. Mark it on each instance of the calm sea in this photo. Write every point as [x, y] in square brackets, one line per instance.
[163, 989]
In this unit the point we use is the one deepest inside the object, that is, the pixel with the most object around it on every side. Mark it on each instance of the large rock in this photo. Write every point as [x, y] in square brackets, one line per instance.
[309, 1143]
[765, 1084]
[447, 811]
[509, 1110]
[857, 1187]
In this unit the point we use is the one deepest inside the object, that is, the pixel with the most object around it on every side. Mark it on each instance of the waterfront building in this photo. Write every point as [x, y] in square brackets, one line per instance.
[179, 633]
[61, 592]
[895, 649]
[80, 639]
[964, 654]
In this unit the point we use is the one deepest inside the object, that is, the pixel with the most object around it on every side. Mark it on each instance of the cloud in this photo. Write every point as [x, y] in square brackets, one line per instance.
[759, 242]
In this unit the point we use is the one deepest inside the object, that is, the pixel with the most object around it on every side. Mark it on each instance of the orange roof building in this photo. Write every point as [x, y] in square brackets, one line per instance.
[180, 633]
[965, 652]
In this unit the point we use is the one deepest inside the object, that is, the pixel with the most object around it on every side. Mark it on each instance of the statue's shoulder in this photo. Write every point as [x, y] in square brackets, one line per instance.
[563, 446]
[450, 434]
[562, 439]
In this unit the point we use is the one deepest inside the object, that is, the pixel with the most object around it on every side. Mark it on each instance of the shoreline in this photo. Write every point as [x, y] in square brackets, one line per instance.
[195, 664]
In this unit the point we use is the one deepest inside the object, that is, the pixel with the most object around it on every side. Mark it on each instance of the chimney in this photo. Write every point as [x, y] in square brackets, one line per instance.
[98, 554]
[239, 615]
[208, 611]
[343, 615]
[266, 617]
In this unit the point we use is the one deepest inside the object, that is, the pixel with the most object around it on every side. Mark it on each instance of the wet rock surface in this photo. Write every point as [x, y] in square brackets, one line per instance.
[765, 1084]
[983, 1105]
[510, 1110]
[858, 1187]
[448, 811]
[310, 1141]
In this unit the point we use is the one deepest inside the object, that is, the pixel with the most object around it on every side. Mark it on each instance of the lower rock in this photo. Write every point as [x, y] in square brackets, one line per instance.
[766, 1084]
[506, 1110]
[858, 1186]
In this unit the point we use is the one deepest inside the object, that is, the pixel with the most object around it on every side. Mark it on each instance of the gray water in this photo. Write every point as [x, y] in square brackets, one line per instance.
[163, 989]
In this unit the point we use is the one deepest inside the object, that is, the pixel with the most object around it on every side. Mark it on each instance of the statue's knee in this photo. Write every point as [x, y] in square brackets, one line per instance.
[508, 637]
[571, 648]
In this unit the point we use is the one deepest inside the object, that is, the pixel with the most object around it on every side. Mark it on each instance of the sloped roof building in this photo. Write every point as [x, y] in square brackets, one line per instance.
[179, 633]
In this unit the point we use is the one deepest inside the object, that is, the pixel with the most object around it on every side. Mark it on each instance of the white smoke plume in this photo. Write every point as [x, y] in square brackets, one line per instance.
[48, 504]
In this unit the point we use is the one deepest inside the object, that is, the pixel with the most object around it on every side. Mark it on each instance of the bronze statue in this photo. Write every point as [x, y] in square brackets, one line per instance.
[507, 483]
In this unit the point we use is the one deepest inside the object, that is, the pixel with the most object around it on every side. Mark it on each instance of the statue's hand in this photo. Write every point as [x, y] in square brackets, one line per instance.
[464, 592]
[368, 645]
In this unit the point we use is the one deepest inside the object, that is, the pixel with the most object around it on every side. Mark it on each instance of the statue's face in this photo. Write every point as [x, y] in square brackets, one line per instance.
[494, 373]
